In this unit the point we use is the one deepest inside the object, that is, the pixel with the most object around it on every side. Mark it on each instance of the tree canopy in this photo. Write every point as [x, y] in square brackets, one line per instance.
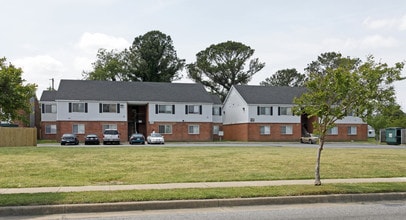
[151, 58]
[222, 65]
[15, 96]
[286, 77]
[338, 86]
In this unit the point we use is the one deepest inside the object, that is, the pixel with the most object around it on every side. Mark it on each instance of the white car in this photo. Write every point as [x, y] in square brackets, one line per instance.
[155, 138]
[111, 136]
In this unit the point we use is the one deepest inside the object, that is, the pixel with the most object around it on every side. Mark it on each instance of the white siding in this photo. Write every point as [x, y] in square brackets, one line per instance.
[235, 109]
[93, 113]
[180, 115]
[274, 118]
[48, 116]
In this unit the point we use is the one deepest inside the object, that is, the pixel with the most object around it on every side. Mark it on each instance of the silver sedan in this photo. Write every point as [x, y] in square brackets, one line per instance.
[155, 138]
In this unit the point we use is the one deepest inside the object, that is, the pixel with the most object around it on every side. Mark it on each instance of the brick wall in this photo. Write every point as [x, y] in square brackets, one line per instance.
[362, 133]
[180, 131]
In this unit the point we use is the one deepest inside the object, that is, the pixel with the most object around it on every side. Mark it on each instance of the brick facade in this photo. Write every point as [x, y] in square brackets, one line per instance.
[180, 131]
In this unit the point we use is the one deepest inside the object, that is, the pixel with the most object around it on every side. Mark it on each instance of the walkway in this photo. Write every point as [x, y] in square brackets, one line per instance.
[193, 185]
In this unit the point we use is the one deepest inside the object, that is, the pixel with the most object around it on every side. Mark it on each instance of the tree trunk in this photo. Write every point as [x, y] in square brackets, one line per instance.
[317, 181]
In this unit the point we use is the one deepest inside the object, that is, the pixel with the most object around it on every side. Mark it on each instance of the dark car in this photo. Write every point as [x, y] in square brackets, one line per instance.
[137, 139]
[92, 139]
[69, 139]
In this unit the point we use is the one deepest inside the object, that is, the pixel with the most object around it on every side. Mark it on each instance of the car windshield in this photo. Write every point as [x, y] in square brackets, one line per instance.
[156, 135]
[110, 132]
[68, 135]
[91, 135]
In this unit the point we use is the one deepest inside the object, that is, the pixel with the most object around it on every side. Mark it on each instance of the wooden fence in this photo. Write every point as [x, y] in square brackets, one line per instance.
[13, 137]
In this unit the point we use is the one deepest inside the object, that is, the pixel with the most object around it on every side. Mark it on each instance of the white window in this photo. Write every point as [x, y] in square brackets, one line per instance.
[285, 111]
[109, 108]
[217, 110]
[165, 129]
[78, 107]
[264, 110]
[194, 129]
[78, 129]
[332, 131]
[352, 130]
[265, 130]
[286, 129]
[165, 109]
[193, 109]
[109, 126]
[50, 129]
[49, 108]
[216, 129]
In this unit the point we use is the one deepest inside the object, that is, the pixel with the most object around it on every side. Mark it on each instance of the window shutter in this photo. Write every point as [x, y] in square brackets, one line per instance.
[173, 109]
[279, 110]
[258, 110]
[156, 109]
[85, 107]
[200, 109]
[43, 108]
[186, 111]
[220, 111]
[271, 110]
[100, 108]
[70, 107]
[118, 107]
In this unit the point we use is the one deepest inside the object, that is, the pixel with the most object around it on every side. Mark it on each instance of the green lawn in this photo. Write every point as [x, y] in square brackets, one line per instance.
[57, 166]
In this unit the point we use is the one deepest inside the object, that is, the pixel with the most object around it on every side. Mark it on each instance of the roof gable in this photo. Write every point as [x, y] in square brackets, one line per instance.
[269, 94]
[48, 96]
[132, 91]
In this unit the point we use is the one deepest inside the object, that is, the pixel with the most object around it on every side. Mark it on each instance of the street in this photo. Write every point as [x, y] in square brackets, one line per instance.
[378, 210]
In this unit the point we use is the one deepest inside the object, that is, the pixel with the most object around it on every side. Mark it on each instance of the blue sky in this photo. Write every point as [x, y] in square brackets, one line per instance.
[59, 39]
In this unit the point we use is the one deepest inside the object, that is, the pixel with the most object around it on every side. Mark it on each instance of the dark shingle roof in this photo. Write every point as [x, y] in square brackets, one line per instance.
[269, 94]
[216, 99]
[132, 91]
[48, 95]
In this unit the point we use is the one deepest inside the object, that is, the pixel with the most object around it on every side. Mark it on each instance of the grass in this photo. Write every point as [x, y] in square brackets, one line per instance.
[183, 194]
[55, 166]
[77, 166]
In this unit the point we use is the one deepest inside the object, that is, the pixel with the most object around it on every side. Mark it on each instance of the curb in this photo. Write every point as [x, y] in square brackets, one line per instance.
[185, 204]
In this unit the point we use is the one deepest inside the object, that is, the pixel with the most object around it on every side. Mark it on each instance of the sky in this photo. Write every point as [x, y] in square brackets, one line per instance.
[59, 39]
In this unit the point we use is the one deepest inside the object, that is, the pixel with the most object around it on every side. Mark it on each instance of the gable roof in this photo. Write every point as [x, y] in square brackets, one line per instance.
[269, 94]
[216, 99]
[132, 91]
[48, 95]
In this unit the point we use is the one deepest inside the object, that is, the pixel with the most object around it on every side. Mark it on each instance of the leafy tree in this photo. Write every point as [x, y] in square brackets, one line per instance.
[389, 116]
[109, 66]
[14, 96]
[153, 58]
[286, 77]
[220, 66]
[340, 85]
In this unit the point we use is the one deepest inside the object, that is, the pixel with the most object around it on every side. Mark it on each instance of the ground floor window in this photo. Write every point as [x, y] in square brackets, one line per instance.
[286, 129]
[265, 130]
[165, 129]
[50, 129]
[78, 129]
[332, 131]
[109, 126]
[352, 130]
[194, 129]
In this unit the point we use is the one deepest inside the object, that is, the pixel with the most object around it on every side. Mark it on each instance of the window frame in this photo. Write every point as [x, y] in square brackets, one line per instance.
[49, 129]
[265, 130]
[194, 131]
[109, 126]
[282, 110]
[352, 130]
[332, 131]
[53, 108]
[262, 110]
[167, 129]
[80, 129]
[284, 129]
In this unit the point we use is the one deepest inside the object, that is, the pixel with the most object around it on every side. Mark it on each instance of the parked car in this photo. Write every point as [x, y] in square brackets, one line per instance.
[92, 139]
[69, 139]
[111, 136]
[155, 138]
[309, 138]
[137, 139]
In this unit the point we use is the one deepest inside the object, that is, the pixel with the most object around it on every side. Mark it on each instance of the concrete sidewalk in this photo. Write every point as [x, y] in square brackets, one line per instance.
[204, 203]
[193, 185]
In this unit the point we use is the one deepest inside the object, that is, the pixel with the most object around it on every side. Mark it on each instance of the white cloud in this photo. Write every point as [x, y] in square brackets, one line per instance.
[40, 70]
[91, 42]
[391, 23]
[368, 42]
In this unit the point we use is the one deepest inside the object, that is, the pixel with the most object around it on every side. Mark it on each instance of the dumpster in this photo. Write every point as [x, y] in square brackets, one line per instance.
[393, 136]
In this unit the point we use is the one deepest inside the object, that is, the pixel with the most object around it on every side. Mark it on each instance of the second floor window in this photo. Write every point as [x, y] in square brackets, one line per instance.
[109, 108]
[264, 110]
[193, 109]
[78, 107]
[48, 108]
[216, 110]
[164, 109]
[285, 111]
